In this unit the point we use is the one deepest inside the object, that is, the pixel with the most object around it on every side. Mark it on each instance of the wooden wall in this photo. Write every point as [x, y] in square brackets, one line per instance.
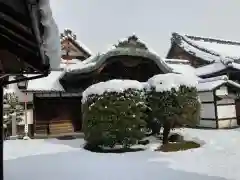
[178, 53]
[57, 112]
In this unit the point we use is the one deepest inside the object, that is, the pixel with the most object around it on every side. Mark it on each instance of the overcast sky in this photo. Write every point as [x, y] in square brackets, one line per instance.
[100, 23]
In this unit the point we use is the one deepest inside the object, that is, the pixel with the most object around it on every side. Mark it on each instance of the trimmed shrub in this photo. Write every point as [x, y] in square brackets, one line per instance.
[172, 97]
[114, 113]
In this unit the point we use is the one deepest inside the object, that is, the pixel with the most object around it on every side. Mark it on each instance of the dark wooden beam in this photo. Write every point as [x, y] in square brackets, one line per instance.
[2, 131]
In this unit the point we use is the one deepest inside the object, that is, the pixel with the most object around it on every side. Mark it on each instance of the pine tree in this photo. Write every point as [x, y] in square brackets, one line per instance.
[11, 107]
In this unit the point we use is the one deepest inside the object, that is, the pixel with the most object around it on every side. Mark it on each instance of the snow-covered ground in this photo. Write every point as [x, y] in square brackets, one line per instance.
[217, 159]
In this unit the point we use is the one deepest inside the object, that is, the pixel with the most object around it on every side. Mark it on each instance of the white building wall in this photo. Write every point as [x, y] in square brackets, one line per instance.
[226, 111]
[229, 123]
[21, 96]
[226, 101]
[208, 111]
[222, 91]
[207, 123]
[29, 117]
[206, 96]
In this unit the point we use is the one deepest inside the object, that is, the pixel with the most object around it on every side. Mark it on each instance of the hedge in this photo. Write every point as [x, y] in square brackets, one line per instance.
[182, 106]
[114, 118]
[172, 97]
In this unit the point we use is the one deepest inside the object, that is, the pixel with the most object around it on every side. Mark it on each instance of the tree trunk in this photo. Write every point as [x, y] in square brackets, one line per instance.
[167, 127]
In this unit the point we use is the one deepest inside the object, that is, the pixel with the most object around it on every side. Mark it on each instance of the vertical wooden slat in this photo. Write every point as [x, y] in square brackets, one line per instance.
[2, 131]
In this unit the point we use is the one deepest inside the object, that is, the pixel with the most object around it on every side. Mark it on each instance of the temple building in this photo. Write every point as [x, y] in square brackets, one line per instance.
[59, 94]
[54, 102]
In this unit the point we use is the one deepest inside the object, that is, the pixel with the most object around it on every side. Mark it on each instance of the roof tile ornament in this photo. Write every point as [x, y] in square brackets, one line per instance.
[131, 42]
[67, 33]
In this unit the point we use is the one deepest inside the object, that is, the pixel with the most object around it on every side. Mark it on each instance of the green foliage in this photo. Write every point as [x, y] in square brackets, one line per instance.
[11, 106]
[181, 106]
[114, 118]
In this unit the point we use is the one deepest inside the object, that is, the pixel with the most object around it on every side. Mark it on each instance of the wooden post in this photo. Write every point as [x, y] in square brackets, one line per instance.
[2, 131]
[26, 137]
[14, 125]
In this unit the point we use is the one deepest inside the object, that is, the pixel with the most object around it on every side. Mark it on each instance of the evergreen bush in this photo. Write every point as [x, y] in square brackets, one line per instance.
[173, 98]
[114, 117]
[181, 106]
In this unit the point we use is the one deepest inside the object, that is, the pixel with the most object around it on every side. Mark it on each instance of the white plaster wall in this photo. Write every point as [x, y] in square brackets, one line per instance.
[226, 101]
[208, 111]
[227, 123]
[207, 123]
[29, 117]
[226, 111]
[222, 91]
[21, 96]
[206, 96]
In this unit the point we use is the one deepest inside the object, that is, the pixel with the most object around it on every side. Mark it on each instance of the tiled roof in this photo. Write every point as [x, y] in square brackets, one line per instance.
[72, 37]
[208, 49]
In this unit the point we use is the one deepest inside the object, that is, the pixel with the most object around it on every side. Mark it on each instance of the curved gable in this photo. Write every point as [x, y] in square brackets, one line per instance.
[132, 53]
[129, 47]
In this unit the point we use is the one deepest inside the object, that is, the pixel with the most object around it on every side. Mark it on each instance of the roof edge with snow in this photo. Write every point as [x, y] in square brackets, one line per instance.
[216, 67]
[211, 84]
[124, 49]
[186, 43]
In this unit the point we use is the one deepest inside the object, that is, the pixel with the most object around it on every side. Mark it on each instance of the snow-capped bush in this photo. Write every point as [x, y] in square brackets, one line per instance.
[113, 113]
[174, 98]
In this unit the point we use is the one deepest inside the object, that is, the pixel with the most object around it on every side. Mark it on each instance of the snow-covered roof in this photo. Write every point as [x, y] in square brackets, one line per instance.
[66, 63]
[216, 67]
[176, 61]
[71, 36]
[49, 83]
[51, 41]
[207, 49]
[184, 69]
[211, 84]
[127, 48]
[210, 69]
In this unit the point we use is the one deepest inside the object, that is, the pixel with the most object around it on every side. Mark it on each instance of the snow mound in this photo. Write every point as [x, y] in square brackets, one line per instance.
[115, 85]
[165, 82]
[51, 40]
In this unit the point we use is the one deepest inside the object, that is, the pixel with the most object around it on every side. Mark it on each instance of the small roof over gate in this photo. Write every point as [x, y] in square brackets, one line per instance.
[211, 84]
[218, 66]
